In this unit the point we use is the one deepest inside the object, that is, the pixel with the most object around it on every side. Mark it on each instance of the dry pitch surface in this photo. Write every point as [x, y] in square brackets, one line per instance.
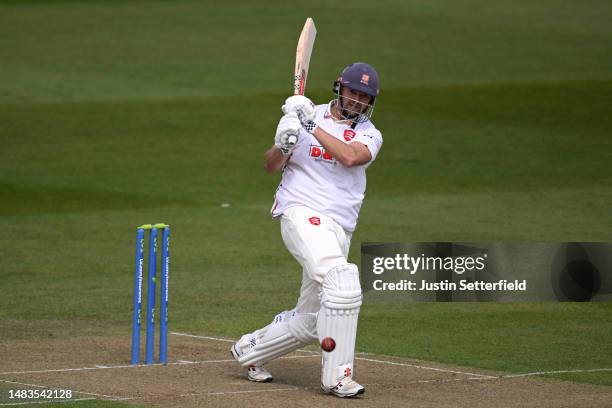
[202, 373]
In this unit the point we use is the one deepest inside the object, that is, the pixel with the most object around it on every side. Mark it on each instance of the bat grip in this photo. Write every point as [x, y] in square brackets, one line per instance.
[292, 140]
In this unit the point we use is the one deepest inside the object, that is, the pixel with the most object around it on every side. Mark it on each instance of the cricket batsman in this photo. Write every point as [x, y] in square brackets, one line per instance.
[323, 152]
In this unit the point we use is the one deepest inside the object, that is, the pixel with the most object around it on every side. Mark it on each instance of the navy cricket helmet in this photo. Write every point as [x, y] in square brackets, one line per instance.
[361, 77]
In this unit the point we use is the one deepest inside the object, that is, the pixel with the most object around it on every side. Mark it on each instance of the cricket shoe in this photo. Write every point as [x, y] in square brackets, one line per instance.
[255, 372]
[258, 373]
[346, 388]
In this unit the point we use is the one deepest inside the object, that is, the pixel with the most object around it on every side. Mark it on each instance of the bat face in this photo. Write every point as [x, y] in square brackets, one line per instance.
[302, 56]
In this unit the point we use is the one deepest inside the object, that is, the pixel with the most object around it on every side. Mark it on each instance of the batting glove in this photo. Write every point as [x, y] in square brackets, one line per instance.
[301, 105]
[287, 132]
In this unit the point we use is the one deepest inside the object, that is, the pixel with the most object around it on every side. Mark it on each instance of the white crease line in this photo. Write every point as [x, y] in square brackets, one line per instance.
[314, 353]
[508, 376]
[423, 367]
[441, 380]
[447, 380]
[253, 391]
[202, 337]
[292, 357]
[57, 388]
[109, 367]
[50, 401]
[356, 358]
[592, 370]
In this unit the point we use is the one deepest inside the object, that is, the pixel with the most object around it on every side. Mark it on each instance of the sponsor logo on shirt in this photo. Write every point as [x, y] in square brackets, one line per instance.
[318, 153]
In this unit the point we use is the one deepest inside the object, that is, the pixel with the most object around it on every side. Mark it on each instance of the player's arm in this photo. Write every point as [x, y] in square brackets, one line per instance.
[349, 154]
[275, 159]
[285, 140]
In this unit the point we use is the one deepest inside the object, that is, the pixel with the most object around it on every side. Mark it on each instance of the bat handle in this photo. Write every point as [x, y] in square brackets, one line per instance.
[299, 86]
[298, 89]
[292, 140]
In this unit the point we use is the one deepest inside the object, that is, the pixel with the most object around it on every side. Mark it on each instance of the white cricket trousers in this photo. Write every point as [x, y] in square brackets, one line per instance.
[319, 244]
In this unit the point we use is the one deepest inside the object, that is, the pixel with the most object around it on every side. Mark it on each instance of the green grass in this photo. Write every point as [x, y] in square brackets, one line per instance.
[522, 337]
[113, 114]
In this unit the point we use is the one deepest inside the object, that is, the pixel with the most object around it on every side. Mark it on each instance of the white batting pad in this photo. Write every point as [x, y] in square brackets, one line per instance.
[288, 332]
[340, 302]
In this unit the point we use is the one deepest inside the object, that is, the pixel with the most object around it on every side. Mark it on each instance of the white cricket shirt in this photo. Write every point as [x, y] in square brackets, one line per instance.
[312, 177]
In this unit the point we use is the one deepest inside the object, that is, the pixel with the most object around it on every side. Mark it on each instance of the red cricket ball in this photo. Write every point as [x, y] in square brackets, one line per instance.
[328, 344]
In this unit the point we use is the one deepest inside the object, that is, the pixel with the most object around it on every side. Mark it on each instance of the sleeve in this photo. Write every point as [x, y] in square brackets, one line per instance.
[372, 138]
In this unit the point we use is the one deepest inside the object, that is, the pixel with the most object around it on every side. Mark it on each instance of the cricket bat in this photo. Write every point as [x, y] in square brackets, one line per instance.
[302, 60]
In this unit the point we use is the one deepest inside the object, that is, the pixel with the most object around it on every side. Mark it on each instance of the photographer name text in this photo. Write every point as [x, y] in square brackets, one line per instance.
[462, 285]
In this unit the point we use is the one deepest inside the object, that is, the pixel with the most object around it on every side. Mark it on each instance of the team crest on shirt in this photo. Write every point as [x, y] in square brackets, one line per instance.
[315, 220]
[318, 153]
[349, 134]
